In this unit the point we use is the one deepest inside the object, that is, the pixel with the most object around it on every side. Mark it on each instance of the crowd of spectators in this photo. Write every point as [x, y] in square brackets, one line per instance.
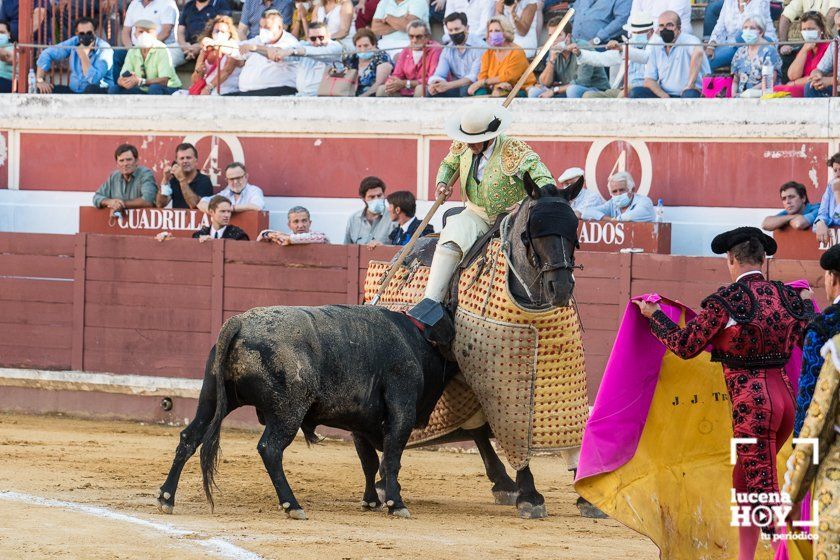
[388, 48]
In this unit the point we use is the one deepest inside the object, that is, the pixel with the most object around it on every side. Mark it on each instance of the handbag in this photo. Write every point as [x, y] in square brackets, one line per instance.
[198, 85]
[717, 86]
[338, 82]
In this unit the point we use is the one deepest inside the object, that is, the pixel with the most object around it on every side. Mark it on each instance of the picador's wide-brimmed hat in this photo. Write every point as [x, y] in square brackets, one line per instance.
[830, 260]
[727, 240]
[477, 123]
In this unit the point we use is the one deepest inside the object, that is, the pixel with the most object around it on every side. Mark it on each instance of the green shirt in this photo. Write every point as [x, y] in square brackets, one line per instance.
[157, 64]
[141, 185]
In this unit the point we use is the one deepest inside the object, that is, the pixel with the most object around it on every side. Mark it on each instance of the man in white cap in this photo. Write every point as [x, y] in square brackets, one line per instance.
[587, 198]
[492, 167]
[639, 31]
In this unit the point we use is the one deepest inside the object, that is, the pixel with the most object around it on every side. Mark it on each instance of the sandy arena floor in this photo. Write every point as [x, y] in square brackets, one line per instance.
[74, 488]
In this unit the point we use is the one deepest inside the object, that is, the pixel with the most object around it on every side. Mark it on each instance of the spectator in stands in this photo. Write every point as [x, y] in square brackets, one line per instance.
[478, 13]
[320, 51]
[500, 66]
[263, 74]
[164, 14]
[7, 55]
[588, 198]
[828, 215]
[749, 60]
[241, 194]
[130, 186]
[90, 57]
[521, 16]
[148, 68]
[673, 71]
[219, 212]
[457, 67]
[305, 12]
[183, 184]
[250, 20]
[798, 212]
[589, 78]
[809, 56]
[374, 66]
[598, 21]
[821, 80]
[654, 8]
[794, 11]
[391, 20]
[370, 226]
[561, 66]
[364, 13]
[414, 63]
[41, 19]
[640, 32]
[218, 66]
[195, 18]
[299, 223]
[401, 208]
[730, 26]
[625, 204]
[339, 17]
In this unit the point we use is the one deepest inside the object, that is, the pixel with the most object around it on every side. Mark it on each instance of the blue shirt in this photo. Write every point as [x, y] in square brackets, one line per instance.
[252, 11]
[810, 212]
[829, 212]
[195, 20]
[454, 65]
[640, 210]
[101, 61]
[671, 70]
[599, 18]
[9, 12]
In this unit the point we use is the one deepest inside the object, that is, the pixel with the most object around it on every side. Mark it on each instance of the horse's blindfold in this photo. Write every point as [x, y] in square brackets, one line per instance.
[551, 218]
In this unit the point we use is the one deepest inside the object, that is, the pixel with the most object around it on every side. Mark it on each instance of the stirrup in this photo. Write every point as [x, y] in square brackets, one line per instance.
[428, 312]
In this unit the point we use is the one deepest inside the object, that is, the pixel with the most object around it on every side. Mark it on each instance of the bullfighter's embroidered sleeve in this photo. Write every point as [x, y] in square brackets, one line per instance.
[812, 362]
[451, 163]
[689, 341]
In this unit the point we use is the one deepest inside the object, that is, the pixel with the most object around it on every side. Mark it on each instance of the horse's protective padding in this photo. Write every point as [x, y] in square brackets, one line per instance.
[525, 367]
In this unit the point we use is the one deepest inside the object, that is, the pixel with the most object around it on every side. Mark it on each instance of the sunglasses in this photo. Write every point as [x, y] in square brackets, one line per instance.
[317, 37]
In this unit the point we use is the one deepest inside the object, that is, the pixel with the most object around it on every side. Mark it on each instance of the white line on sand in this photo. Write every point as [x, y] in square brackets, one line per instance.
[220, 547]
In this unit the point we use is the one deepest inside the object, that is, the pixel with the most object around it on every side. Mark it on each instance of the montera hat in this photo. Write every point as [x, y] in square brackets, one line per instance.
[477, 123]
[725, 241]
[830, 260]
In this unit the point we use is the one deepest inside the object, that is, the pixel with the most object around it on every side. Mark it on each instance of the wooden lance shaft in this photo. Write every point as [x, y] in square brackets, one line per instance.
[441, 198]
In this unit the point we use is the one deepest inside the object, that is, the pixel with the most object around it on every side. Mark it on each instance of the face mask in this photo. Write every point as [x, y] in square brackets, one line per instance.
[622, 200]
[496, 38]
[668, 35]
[221, 36]
[560, 46]
[750, 36]
[4, 39]
[266, 35]
[377, 206]
[86, 39]
[458, 38]
[366, 55]
[810, 35]
[145, 40]
[638, 39]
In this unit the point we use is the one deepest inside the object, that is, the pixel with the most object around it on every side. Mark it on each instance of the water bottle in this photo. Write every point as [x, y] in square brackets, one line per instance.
[766, 76]
[31, 80]
[660, 212]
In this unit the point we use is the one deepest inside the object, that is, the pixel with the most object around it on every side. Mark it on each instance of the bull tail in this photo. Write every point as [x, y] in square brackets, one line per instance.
[210, 442]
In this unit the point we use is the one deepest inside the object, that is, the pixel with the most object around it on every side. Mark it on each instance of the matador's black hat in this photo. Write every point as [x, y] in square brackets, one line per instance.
[830, 260]
[726, 240]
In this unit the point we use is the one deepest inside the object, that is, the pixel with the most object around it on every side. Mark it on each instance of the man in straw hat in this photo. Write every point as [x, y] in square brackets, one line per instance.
[492, 167]
[752, 326]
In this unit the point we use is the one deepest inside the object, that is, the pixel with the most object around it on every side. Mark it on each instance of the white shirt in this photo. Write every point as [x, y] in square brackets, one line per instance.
[744, 275]
[251, 194]
[731, 20]
[529, 40]
[478, 13]
[162, 12]
[261, 73]
[398, 40]
[217, 233]
[333, 21]
[483, 159]
[655, 7]
[311, 70]
[587, 198]
[837, 300]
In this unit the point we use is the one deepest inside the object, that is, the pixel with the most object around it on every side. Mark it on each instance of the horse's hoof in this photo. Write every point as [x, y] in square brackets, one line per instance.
[528, 510]
[587, 509]
[165, 503]
[296, 514]
[399, 512]
[371, 506]
[505, 498]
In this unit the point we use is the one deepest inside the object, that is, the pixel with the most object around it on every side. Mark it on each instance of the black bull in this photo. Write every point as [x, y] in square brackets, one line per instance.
[359, 368]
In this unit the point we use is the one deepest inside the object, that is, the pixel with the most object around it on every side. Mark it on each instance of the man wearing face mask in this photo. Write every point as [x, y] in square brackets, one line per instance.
[625, 205]
[90, 62]
[148, 67]
[457, 67]
[262, 75]
[371, 225]
[6, 58]
[491, 167]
